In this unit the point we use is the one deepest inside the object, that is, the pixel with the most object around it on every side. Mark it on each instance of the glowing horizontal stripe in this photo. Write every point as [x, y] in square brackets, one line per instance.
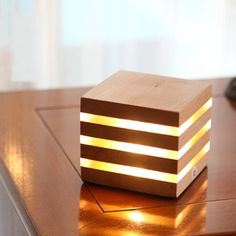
[193, 162]
[144, 173]
[195, 138]
[145, 126]
[128, 147]
[195, 116]
[143, 149]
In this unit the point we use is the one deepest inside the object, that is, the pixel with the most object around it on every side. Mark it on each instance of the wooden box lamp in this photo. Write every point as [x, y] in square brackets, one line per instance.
[145, 133]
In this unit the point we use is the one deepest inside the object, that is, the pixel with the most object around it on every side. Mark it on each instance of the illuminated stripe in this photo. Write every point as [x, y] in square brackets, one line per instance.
[145, 126]
[195, 116]
[195, 138]
[193, 162]
[144, 173]
[143, 149]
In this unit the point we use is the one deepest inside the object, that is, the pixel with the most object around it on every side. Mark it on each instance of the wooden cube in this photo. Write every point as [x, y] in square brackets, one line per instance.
[145, 133]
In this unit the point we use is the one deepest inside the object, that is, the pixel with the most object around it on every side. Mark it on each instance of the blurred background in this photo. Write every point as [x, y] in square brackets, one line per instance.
[65, 43]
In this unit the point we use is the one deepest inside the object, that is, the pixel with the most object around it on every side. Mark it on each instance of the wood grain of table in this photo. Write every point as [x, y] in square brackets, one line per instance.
[39, 146]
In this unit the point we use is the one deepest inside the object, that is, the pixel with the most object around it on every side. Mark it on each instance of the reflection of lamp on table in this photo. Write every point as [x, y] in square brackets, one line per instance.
[145, 133]
[174, 217]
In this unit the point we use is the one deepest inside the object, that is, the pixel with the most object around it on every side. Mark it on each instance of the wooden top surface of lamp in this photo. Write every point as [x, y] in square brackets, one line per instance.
[168, 101]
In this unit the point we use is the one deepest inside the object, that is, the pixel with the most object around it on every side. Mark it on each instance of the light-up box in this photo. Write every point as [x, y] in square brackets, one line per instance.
[145, 133]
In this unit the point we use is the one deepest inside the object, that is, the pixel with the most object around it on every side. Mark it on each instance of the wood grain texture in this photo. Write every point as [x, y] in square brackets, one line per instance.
[39, 159]
[148, 98]
[147, 93]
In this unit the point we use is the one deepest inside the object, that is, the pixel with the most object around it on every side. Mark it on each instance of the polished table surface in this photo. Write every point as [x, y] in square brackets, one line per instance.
[39, 147]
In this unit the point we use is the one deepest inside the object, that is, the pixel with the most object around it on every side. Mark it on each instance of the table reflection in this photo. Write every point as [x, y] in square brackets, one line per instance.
[177, 217]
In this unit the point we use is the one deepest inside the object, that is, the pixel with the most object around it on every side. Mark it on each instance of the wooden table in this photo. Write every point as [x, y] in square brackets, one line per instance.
[39, 149]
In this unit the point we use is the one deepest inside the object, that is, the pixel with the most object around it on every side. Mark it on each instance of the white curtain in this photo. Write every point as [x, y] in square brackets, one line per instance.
[55, 43]
[29, 48]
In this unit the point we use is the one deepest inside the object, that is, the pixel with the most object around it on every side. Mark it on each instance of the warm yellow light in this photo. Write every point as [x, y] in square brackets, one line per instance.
[145, 126]
[143, 149]
[179, 218]
[128, 170]
[193, 162]
[150, 218]
[129, 147]
[195, 138]
[129, 124]
[195, 116]
[144, 173]
[136, 216]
